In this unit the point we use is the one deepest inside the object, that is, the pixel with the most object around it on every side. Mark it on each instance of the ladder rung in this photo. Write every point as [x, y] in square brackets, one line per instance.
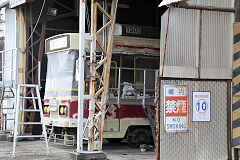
[30, 123]
[9, 97]
[28, 85]
[29, 110]
[6, 66]
[7, 108]
[7, 119]
[9, 130]
[28, 97]
[30, 136]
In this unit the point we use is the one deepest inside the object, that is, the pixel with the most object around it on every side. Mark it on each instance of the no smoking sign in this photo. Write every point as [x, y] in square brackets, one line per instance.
[201, 106]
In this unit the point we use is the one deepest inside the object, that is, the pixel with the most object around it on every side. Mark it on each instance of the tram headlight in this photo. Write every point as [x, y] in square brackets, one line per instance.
[46, 109]
[63, 110]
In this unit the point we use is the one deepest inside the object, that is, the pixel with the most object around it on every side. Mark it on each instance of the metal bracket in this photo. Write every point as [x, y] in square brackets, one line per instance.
[89, 76]
[93, 64]
[23, 50]
[89, 38]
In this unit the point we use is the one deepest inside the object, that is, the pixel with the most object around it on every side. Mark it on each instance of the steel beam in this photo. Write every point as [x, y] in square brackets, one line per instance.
[82, 11]
[99, 93]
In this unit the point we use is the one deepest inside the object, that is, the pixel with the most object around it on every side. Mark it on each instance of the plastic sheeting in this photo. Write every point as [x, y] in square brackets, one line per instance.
[61, 70]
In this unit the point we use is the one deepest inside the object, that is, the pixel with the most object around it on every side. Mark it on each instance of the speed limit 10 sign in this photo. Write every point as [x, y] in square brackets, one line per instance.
[201, 106]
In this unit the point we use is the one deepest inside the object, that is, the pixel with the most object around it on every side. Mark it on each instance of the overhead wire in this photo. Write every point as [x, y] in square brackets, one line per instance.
[39, 16]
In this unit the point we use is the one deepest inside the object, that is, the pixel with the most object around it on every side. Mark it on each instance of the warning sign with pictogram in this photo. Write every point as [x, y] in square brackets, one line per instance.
[175, 108]
[201, 106]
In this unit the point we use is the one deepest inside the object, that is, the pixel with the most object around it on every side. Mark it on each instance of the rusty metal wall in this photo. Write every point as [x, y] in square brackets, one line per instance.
[205, 140]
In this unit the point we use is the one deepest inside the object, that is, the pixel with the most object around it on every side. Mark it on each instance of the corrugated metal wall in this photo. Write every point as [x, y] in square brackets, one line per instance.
[216, 50]
[205, 140]
[182, 52]
[182, 43]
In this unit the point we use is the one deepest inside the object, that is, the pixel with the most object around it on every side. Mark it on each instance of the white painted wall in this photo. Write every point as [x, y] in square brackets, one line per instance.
[10, 43]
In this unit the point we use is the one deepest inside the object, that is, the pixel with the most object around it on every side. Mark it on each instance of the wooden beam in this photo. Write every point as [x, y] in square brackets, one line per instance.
[103, 11]
[206, 8]
[62, 30]
[63, 5]
[21, 56]
[101, 46]
[237, 10]
[103, 28]
[61, 16]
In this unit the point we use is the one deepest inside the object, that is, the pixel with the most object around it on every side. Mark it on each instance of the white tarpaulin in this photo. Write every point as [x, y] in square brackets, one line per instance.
[167, 2]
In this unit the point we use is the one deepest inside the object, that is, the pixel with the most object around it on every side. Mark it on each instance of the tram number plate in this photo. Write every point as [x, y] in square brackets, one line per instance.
[133, 30]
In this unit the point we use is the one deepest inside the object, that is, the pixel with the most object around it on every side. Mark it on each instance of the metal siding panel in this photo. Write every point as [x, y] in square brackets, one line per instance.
[216, 52]
[10, 22]
[10, 43]
[181, 43]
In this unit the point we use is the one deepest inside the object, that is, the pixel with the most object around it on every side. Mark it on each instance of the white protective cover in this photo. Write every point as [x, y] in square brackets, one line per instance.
[61, 69]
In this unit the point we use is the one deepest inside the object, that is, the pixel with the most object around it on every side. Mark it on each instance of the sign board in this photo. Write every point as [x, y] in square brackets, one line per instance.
[52, 105]
[175, 108]
[15, 3]
[201, 106]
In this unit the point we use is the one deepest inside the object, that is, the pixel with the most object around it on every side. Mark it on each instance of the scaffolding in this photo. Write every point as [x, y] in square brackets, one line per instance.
[8, 85]
[99, 83]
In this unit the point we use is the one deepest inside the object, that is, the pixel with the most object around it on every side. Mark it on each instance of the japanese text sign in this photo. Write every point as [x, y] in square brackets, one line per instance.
[175, 108]
[201, 106]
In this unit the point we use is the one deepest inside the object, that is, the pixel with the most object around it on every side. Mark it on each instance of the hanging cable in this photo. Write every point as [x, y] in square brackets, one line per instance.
[88, 19]
[39, 16]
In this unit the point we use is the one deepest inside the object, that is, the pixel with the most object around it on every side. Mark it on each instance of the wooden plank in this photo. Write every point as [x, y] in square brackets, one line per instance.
[101, 46]
[104, 27]
[101, 63]
[106, 72]
[100, 78]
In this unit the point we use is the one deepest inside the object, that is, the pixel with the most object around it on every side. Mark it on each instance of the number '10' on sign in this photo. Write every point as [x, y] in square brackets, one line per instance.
[201, 106]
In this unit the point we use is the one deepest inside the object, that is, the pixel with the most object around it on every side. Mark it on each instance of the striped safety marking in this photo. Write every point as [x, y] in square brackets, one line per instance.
[236, 88]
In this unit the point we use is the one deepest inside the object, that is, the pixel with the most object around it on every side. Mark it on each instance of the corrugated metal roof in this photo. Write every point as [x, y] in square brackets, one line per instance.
[167, 2]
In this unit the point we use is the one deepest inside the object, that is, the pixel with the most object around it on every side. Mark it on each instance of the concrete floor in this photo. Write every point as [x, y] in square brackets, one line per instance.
[35, 150]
